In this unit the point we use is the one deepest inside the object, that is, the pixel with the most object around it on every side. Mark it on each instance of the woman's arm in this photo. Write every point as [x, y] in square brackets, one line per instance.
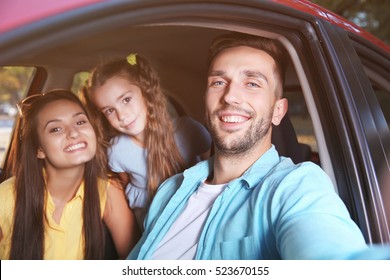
[120, 220]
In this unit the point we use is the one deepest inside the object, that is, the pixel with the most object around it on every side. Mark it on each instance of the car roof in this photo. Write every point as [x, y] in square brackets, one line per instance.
[19, 13]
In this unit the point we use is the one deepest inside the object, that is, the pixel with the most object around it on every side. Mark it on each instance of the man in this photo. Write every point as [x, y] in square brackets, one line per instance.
[247, 202]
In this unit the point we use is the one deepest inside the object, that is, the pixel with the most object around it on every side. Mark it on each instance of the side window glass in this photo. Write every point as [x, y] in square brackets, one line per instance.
[14, 84]
[303, 126]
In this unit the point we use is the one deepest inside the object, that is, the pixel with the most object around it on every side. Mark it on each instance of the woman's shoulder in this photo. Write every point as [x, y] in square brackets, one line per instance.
[114, 193]
[7, 186]
[105, 183]
[7, 195]
[109, 189]
[110, 185]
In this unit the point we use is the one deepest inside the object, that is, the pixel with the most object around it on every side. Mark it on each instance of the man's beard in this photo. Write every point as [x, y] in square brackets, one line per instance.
[241, 144]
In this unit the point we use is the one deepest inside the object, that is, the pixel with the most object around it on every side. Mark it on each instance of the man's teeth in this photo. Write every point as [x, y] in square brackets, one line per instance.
[75, 147]
[233, 119]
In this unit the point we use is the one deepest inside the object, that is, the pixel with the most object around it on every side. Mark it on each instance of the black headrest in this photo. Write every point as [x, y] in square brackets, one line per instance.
[285, 140]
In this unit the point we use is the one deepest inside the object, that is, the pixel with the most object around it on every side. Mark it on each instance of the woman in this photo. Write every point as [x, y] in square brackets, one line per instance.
[55, 205]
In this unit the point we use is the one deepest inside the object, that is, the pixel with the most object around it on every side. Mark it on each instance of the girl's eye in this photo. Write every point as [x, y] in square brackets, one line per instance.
[81, 122]
[54, 129]
[126, 99]
[108, 111]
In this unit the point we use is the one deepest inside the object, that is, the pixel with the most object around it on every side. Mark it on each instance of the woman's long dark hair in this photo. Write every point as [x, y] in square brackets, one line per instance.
[28, 235]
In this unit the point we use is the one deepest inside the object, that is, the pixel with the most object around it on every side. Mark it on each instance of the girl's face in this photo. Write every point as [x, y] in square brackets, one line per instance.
[65, 134]
[124, 107]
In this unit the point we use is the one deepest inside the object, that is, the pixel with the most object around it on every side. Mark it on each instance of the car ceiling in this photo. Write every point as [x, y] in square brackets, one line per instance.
[179, 54]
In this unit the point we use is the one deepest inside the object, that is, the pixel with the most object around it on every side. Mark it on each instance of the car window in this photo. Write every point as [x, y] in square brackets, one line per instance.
[79, 80]
[14, 84]
[300, 118]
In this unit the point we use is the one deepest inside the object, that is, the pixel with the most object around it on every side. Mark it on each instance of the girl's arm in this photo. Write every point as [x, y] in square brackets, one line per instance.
[120, 220]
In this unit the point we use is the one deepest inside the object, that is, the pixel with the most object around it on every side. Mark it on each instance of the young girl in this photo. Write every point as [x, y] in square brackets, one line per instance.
[55, 205]
[145, 145]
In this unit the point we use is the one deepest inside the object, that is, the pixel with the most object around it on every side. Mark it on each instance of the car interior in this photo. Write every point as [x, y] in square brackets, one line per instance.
[59, 53]
[178, 53]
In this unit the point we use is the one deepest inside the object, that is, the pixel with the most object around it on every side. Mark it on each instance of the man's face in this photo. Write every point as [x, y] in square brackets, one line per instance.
[240, 100]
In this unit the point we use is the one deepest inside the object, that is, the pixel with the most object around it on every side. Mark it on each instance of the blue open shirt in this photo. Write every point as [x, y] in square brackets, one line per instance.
[275, 210]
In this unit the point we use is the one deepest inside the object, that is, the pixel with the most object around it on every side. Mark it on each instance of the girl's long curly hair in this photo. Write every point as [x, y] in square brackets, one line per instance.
[164, 159]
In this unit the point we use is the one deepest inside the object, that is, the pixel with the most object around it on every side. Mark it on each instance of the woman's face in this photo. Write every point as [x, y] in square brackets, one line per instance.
[66, 136]
[124, 107]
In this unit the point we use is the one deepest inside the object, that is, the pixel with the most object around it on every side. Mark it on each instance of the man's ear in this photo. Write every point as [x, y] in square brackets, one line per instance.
[41, 154]
[280, 110]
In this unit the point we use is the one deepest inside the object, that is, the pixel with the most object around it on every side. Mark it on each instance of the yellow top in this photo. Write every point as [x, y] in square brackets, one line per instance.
[62, 241]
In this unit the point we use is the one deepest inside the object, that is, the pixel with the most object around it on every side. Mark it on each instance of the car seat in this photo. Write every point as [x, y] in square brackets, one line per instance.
[286, 142]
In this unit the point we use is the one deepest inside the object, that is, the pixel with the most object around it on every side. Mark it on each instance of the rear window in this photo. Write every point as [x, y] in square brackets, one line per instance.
[79, 81]
[14, 84]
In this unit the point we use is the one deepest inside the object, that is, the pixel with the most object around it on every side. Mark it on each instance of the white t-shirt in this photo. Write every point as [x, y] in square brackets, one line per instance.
[181, 240]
